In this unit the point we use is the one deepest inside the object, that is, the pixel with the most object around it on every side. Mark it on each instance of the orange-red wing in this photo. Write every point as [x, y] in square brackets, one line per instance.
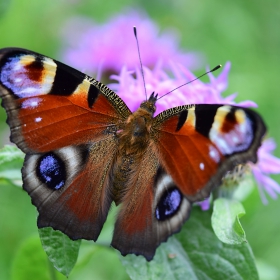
[152, 209]
[198, 144]
[50, 105]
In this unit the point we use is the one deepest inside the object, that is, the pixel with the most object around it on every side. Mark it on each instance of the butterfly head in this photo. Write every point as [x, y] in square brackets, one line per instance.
[149, 105]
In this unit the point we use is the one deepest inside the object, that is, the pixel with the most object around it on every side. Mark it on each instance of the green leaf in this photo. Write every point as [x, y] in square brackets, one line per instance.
[168, 263]
[61, 250]
[31, 262]
[11, 160]
[225, 221]
[195, 253]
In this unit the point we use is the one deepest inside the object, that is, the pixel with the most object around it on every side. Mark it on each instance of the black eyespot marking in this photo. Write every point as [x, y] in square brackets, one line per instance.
[51, 171]
[204, 118]
[92, 95]
[169, 204]
[182, 119]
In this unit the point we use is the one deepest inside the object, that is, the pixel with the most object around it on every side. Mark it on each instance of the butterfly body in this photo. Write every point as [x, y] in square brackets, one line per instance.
[85, 150]
[133, 139]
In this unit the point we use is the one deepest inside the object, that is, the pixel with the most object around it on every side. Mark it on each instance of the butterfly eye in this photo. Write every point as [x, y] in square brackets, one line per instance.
[169, 204]
[51, 171]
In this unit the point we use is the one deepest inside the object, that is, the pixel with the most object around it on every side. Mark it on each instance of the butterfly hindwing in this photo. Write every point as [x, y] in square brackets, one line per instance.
[71, 187]
[198, 144]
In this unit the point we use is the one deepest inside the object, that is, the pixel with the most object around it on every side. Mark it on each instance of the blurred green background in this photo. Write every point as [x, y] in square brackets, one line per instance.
[243, 32]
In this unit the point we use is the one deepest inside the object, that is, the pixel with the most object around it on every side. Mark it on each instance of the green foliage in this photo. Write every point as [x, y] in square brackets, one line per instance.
[61, 250]
[3, 6]
[11, 160]
[195, 253]
[31, 262]
[225, 221]
[97, 262]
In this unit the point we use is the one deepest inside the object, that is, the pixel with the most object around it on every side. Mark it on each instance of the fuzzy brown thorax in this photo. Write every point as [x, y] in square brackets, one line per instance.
[134, 137]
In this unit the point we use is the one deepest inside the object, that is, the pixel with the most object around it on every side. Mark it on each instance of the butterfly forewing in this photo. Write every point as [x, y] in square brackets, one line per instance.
[51, 105]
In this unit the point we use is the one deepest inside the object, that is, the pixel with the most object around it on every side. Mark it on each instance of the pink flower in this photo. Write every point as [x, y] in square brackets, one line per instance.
[267, 164]
[92, 47]
[205, 204]
[131, 89]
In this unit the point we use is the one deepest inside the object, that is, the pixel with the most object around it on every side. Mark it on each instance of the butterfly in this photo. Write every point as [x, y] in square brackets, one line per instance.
[85, 150]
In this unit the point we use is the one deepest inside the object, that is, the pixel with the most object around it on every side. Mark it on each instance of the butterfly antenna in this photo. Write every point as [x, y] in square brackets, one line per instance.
[141, 65]
[212, 70]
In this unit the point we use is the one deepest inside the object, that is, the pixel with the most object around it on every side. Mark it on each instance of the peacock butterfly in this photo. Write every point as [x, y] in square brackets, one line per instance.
[85, 149]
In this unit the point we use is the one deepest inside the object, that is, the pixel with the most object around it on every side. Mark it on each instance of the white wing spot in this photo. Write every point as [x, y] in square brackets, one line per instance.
[30, 103]
[34, 104]
[235, 139]
[17, 66]
[38, 119]
[18, 80]
[213, 153]
[201, 166]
